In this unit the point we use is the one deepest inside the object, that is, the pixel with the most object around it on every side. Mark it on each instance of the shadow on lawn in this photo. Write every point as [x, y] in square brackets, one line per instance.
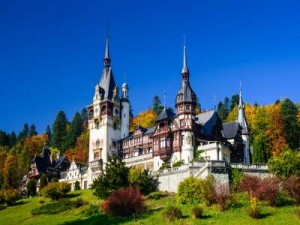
[73, 195]
[104, 219]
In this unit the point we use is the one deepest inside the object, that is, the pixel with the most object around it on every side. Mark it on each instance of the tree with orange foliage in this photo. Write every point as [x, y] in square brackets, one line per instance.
[145, 119]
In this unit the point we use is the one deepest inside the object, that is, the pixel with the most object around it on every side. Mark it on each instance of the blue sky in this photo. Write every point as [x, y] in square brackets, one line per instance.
[51, 53]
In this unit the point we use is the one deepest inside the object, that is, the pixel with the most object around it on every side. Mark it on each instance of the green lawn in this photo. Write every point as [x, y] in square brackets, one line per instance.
[21, 214]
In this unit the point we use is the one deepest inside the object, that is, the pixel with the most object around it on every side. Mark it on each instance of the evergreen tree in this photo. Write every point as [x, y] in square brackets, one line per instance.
[76, 128]
[4, 139]
[12, 139]
[77, 186]
[260, 146]
[156, 105]
[24, 133]
[49, 135]
[59, 135]
[291, 125]
[114, 177]
[43, 181]
[234, 101]
[84, 116]
[32, 130]
[31, 188]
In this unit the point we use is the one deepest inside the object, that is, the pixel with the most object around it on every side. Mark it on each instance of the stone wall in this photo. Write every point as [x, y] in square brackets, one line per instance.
[169, 179]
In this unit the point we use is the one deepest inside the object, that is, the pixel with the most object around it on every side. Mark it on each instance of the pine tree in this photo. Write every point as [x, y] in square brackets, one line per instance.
[291, 127]
[76, 128]
[49, 135]
[59, 135]
[234, 101]
[4, 139]
[114, 177]
[12, 139]
[24, 133]
[156, 105]
[31, 188]
[32, 131]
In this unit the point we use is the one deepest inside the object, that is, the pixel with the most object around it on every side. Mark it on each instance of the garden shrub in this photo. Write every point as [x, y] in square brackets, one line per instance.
[31, 188]
[114, 177]
[92, 210]
[142, 180]
[235, 178]
[43, 181]
[77, 186]
[56, 190]
[59, 206]
[155, 195]
[298, 213]
[177, 164]
[193, 190]
[172, 213]
[164, 166]
[197, 212]
[123, 202]
[249, 184]
[264, 189]
[292, 186]
[253, 210]
[222, 196]
[9, 196]
[77, 203]
[268, 190]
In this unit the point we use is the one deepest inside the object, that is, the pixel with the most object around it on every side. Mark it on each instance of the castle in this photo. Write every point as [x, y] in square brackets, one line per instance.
[175, 136]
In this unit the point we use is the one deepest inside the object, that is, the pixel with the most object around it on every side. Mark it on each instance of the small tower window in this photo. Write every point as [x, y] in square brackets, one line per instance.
[187, 107]
[181, 123]
[115, 126]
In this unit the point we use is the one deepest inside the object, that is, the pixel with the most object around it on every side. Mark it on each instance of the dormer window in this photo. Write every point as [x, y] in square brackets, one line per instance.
[187, 107]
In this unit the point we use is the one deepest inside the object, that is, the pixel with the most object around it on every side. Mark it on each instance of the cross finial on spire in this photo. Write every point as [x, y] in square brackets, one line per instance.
[185, 69]
[106, 54]
[165, 99]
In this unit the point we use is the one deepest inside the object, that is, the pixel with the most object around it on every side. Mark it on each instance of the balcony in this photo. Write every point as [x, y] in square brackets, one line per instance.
[96, 164]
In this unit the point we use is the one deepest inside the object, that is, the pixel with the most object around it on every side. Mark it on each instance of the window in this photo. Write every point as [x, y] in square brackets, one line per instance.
[97, 124]
[115, 126]
[181, 123]
[96, 155]
[114, 143]
[187, 107]
[162, 142]
[180, 108]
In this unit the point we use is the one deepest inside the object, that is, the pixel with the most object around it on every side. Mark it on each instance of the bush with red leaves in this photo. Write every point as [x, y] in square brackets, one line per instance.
[264, 189]
[124, 202]
[292, 186]
[268, 190]
[222, 196]
[249, 184]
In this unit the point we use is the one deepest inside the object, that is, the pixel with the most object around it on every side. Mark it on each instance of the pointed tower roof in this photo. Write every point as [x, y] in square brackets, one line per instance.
[185, 93]
[107, 82]
[185, 69]
[241, 113]
[106, 54]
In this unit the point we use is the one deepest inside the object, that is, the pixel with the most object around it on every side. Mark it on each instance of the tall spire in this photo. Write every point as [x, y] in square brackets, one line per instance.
[106, 55]
[241, 114]
[185, 69]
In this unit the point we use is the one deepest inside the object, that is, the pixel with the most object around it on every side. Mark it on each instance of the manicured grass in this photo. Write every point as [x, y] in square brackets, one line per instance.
[236, 215]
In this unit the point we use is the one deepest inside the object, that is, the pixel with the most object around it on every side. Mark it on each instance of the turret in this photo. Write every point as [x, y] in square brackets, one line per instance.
[245, 132]
[125, 114]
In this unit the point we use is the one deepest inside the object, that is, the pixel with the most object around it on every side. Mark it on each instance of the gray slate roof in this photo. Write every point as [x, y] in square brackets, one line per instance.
[165, 114]
[230, 129]
[207, 120]
[187, 93]
[107, 83]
